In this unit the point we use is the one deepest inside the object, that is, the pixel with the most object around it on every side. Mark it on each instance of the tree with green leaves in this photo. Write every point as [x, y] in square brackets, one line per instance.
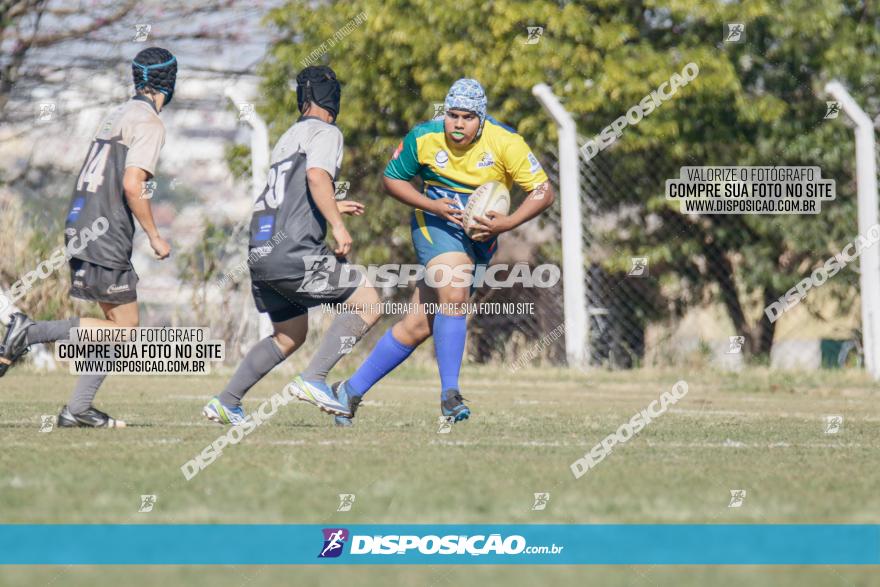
[758, 102]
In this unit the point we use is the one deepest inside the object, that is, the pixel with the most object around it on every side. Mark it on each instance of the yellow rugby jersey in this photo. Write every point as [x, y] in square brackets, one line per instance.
[499, 154]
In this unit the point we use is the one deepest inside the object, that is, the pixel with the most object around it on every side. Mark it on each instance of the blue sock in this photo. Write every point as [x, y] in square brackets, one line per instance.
[449, 337]
[386, 355]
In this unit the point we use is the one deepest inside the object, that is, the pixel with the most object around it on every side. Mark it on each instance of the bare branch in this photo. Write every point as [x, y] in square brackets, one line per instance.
[97, 24]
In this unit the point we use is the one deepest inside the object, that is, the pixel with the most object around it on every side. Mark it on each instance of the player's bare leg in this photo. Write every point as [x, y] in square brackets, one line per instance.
[23, 332]
[290, 334]
[365, 303]
[115, 316]
[415, 327]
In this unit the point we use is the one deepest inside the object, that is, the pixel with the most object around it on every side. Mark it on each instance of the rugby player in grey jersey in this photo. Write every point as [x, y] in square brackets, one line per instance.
[109, 191]
[293, 268]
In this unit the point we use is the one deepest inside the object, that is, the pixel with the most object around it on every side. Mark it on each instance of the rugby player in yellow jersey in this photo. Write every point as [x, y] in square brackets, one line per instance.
[453, 157]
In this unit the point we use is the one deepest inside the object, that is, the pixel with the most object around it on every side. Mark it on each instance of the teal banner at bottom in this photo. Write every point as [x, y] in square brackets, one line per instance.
[488, 544]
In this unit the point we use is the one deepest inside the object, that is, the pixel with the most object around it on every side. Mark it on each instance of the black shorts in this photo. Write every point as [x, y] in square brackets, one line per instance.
[284, 299]
[96, 283]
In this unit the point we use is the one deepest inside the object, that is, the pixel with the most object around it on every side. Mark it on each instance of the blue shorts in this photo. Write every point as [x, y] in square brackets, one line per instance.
[432, 236]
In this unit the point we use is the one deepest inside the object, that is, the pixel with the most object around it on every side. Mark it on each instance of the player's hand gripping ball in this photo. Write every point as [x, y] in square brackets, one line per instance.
[491, 197]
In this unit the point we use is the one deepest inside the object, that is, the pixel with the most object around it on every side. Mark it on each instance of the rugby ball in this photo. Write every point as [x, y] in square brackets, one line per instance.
[489, 197]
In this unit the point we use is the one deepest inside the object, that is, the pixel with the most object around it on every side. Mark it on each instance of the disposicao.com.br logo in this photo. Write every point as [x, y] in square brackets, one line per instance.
[334, 540]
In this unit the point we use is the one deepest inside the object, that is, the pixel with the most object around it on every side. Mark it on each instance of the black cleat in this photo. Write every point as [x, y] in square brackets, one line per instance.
[66, 419]
[15, 343]
[452, 404]
[91, 418]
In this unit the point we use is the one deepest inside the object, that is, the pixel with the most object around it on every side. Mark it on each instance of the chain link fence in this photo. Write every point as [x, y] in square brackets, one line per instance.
[665, 288]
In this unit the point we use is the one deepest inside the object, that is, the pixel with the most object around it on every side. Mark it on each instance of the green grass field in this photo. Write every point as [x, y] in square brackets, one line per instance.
[760, 431]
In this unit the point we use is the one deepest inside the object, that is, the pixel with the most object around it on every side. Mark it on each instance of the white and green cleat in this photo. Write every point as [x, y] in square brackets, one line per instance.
[318, 394]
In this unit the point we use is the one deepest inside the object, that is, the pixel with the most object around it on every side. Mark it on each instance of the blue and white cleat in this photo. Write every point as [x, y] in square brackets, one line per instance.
[318, 394]
[217, 412]
[352, 401]
[452, 404]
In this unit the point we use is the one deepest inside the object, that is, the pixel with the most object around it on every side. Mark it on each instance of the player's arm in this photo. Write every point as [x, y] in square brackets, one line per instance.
[538, 200]
[133, 185]
[147, 138]
[323, 194]
[527, 172]
[404, 166]
[404, 191]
